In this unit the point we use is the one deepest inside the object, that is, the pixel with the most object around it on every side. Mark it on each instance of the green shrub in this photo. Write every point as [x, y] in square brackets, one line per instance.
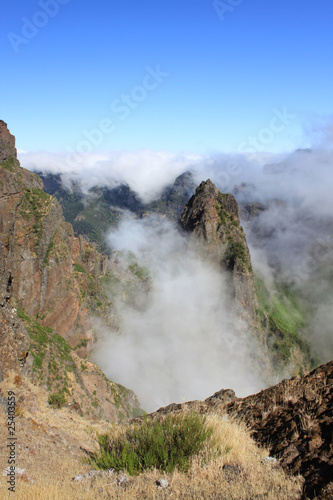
[287, 316]
[57, 399]
[138, 412]
[235, 251]
[8, 164]
[38, 362]
[79, 268]
[164, 444]
[138, 271]
[48, 252]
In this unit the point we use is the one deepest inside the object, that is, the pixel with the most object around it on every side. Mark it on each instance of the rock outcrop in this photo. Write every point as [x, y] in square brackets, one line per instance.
[7, 145]
[213, 218]
[14, 343]
[293, 418]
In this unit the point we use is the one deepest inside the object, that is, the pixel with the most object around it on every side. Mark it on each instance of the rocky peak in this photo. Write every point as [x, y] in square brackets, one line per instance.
[205, 213]
[213, 219]
[7, 143]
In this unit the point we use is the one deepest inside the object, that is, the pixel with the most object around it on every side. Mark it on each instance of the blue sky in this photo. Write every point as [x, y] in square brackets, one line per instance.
[222, 80]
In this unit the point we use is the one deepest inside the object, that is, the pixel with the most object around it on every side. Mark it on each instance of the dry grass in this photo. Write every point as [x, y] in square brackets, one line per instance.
[255, 480]
[35, 407]
[48, 448]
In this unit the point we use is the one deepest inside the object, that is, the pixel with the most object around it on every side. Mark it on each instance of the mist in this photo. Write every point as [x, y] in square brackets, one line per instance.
[181, 344]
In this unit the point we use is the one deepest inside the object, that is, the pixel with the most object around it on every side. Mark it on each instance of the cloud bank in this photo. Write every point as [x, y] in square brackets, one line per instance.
[181, 346]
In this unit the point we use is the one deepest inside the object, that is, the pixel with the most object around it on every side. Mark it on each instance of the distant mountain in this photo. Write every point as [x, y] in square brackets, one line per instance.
[94, 213]
[174, 197]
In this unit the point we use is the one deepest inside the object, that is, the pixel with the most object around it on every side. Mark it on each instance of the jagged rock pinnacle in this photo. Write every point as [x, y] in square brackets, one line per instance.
[7, 143]
[213, 219]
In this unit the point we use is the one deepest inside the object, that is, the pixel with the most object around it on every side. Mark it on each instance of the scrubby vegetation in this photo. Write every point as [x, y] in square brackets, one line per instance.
[51, 354]
[8, 164]
[33, 207]
[140, 272]
[57, 399]
[49, 251]
[164, 444]
[55, 368]
[236, 252]
[78, 268]
[238, 471]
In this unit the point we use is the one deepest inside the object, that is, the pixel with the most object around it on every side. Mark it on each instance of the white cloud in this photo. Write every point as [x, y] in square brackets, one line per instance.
[182, 345]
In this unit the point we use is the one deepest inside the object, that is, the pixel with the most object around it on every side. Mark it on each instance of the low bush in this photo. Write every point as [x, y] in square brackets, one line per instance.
[163, 445]
[57, 400]
[235, 251]
[78, 268]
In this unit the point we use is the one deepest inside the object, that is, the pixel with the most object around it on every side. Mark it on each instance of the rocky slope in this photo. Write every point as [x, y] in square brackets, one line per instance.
[293, 418]
[50, 291]
[54, 280]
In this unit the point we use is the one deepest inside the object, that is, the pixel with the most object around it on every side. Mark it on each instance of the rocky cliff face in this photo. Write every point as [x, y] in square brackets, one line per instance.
[14, 343]
[54, 280]
[44, 268]
[7, 145]
[213, 218]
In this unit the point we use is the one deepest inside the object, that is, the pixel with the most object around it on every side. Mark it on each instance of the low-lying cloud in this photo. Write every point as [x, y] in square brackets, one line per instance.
[182, 345]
